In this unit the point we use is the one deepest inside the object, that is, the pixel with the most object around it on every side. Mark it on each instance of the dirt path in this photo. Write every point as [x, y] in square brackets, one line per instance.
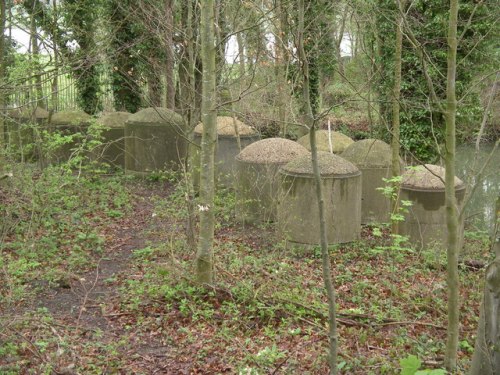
[79, 297]
[87, 306]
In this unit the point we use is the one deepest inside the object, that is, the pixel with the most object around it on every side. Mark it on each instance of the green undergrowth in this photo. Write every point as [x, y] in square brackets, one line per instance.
[53, 225]
[266, 313]
[268, 308]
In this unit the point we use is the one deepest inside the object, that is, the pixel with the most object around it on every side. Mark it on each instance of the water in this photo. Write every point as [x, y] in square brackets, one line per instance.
[480, 212]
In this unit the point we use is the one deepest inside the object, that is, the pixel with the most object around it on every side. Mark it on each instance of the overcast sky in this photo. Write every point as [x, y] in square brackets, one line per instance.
[23, 39]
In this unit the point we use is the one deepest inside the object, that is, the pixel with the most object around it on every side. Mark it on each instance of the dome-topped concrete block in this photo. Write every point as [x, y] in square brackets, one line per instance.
[257, 180]
[425, 221]
[229, 126]
[428, 177]
[374, 158]
[21, 129]
[69, 122]
[154, 140]
[156, 116]
[229, 129]
[114, 119]
[325, 138]
[271, 151]
[112, 150]
[369, 153]
[70, 118]
[330, 165]
[298, 212]
[28, 113]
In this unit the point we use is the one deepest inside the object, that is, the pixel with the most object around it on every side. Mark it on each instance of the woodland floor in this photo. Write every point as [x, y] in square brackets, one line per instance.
[127, 304]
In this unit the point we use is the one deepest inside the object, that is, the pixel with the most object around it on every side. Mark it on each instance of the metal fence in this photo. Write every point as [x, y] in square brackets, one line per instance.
[26, 93]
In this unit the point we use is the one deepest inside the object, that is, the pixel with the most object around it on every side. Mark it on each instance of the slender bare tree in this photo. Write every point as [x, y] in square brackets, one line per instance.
[396, 168]
[453, 242]
[2, 79]
[204, 255]
[311, 124]
[169, 53]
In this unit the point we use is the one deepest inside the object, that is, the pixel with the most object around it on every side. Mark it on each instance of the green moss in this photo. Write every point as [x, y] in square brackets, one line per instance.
[114, 119]
[339, 141]
[27, 113]
[71, 117]
[369, 153]
[156, 116]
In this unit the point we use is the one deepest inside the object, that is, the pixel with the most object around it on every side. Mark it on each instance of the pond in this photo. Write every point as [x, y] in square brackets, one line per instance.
[480, 212]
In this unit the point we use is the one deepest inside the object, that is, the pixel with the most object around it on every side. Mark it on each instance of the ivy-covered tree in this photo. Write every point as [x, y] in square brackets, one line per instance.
[81, 16]
[320, 40]
[75, 36]
[318, 44]
[424, 50]
[124, 54]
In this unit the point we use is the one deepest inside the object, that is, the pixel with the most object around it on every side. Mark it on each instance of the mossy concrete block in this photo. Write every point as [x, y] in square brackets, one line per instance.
[369, 153]
[257, 178]
[298, 212]
[425, 222]
[36, 114]
[226, 148]
[114, 120]
[75, 118]
[112, 150]
[154, 140]
[67, 123]
[20, 131]
[374, 159]
[338, 141]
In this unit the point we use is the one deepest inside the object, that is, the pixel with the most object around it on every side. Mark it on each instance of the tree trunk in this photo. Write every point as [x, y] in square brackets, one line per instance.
[189, 109]
[2, 81]
[370, 75]
[338, 42]
[396, 168]
[241, 57]
[169, 54]
[83, 21]
[127, 94]
[310, 121]
[204, 255]
[154, 83]
[451, 201]
[280, 70]
[220, 39]
[37, 70]
[55, 84]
